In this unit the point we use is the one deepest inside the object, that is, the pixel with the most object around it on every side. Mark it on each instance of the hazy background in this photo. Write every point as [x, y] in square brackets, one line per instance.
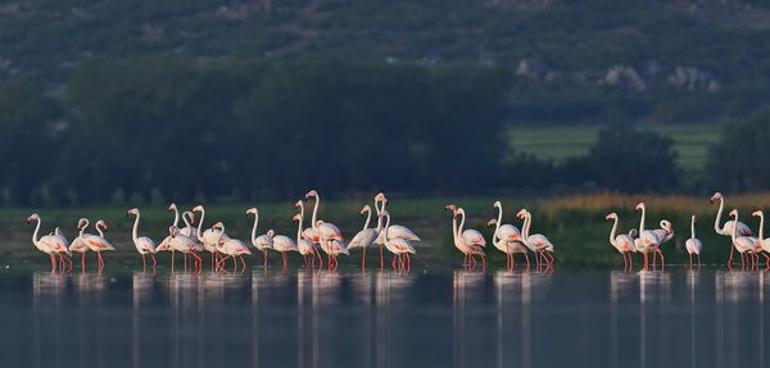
[114, 102]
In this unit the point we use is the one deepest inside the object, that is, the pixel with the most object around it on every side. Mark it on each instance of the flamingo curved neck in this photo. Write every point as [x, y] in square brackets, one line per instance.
[527, 224]
[99, 230]
[641, 221]
[35, 238]
[315, 210]
[718, 228]
[368, 218]
[462, 222]
[221, 233]
[299, 230]
[499, 220]
[200, 223]
[613, 232]
[387, 225]
[134, 231]
[176, 217]
[761, 226]
[83, 229]
[735, 228]
[254, 228]
[692, 228]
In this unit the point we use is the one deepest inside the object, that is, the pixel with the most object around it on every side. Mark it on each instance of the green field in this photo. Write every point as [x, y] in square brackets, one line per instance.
[561, 142]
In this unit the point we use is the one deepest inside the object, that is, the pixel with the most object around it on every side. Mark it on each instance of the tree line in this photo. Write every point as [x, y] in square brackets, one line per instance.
[152, 128]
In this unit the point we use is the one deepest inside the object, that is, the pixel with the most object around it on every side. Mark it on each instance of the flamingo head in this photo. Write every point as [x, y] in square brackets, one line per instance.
[198, 208]
[311, 193]
[611, 216]
[270, 233]
[492, 222]
[380, 197]
[191, 216]
[733, 213]
[82, 222]
[667, 226]
[218, 226]
[633, 233]
[451, 207]
[497, 204]
[717, 196]
[102, 224]
[32, 218]
[133, 212]
[252, 211]
[298, 204]
[296, 218]
[521, 214]
[757, 213]
[365, 209]
[640, 206]
[172, 207]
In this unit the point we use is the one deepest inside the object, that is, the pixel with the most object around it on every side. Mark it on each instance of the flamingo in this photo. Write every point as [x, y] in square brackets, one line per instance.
[334, 248]
[504, 231]
[305, 247]
[727, 228]
[283, 244]
[327, 232]
[165, 245]
[48, 244]
[185, 245]
[262, 242]
[79, 244]
[648, 240]
[144, 245]
[622, 242]
[470, 242]
[231, 248]
[508, 246]
[366, 237]
[537, 242]
[398, 246]
[665, 233]
[396, 231]
[743, 244]
[763, 245]
[209, 238]
[99, 243]
[694, 245]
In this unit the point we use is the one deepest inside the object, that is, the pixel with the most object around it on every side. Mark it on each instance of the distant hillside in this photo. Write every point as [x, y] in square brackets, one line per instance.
[575, 60]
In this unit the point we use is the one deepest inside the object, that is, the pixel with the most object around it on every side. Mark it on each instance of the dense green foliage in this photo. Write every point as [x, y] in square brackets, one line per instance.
[739, 161]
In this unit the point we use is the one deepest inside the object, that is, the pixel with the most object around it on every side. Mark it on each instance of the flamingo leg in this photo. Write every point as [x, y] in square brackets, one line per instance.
[154, 260]
[144, 263]
[363, 258]
[173, 253]
[382, 257]
[662, 259]
[83, 262]
[730, 258]
[285, 260]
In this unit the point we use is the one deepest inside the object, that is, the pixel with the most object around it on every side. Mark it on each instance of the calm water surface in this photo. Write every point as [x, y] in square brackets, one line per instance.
[431, 318]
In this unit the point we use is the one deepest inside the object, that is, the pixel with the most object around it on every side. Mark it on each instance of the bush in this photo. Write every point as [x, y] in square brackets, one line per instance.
[739, 160]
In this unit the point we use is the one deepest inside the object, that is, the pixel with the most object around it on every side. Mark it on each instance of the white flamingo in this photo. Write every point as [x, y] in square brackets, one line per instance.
[505, 232]
[51, 245]
[231, 248]
[396, 231]
[648, 240]
[470, 242]
[694, 245]
[327, 232]
[305, 247]
[79, 245]
[309, 233]
[165, 244]
[99, 243]
[743, 244]
[398, 246]
[144, 245]
[366, 237]
[763, 244]
[263, 242]
[622, 242]
[185, 245]
[665, 233]
[507, 246]
[283, 244]
[727, 228]
[539, 243]
[209, 237]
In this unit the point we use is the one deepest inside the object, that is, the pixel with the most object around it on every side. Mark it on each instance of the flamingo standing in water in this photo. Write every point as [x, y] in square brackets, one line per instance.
[648, 240]
[310, 234]
[366, 237]
[396, 231]
[231, 248]
[144, 245]
[283, 244]
[507, 246]
[727, 228]
[99, 243]
[399, 247]
[51, 244]
[327, 232]
[185, 245]
[622, 242]
[665, 233]
[79, 244]
[470, 242]
[743, 244]
[165, 244]
[694, 245]
[763, 245]
[209, 237]
[263, 242]
[506, 232]
[190, 232]
[305, 247]
[539, 243]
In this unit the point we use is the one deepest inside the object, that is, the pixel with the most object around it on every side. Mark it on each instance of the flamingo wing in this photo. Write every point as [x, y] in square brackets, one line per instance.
[328, 230]
[508, 232]
[401, 246]
[364, 238]
[284, 244]
[693, 246]
[473, 237]
[311, 234]
[145, 245]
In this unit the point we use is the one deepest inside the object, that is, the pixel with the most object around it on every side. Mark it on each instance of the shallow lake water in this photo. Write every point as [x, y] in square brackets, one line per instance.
[433, 318]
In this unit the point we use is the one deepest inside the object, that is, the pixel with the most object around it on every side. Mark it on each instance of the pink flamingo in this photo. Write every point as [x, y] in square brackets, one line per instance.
[305, 247]
[508, 246]
[537, 242]
[263, 242]
[694, 245]
[470, 242]
[398, 246]
[727, 228]
[99, 244]
[743, 244]
[231, 248]
[144, 245]
[622, 242]
[79, 244]
[366, 237]
[52, 244]
[396, 231]
[209, 237]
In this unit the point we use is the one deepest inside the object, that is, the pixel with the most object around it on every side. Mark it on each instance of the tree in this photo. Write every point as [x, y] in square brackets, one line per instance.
[738, 161]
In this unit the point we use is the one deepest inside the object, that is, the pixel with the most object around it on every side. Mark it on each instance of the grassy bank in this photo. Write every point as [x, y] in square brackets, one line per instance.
[574, 224]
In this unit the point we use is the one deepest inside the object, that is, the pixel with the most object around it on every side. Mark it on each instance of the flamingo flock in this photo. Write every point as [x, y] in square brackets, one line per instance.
[190, 241]
[322, 237]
